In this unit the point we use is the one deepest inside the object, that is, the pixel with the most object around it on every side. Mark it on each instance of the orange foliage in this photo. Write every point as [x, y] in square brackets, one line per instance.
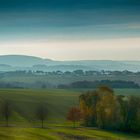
[74, 114]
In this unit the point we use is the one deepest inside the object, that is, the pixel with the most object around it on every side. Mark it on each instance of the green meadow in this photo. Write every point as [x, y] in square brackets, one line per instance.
[24, 102]
[62, 133]
[24, 126]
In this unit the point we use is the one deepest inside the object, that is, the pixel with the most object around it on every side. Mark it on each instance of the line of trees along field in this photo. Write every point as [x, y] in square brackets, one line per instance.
[94, 84]
[103, 109]
[69, 79]
[79, 84]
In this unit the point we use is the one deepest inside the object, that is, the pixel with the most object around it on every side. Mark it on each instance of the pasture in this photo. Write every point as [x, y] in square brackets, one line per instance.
[62, 133]
[24, 126]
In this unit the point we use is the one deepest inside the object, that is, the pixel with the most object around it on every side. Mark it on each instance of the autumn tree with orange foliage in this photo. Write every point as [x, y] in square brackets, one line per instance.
[88, 103]
[74, 115]
[108, 109]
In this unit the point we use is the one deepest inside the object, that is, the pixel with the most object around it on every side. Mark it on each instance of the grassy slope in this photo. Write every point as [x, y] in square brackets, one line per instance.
[27, 101]
[58, 102]
[61, 134]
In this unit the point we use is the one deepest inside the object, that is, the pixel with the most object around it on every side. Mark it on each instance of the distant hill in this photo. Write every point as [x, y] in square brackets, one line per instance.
[23, 62]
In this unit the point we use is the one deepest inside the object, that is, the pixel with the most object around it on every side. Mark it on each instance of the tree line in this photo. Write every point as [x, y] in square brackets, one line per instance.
[64, 73]
[105, 110]
[109, 111]
[42, 80]
[94, 84]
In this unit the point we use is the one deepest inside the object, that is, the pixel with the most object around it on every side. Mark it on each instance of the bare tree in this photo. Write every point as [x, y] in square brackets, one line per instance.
[6, 111]
[41, 114]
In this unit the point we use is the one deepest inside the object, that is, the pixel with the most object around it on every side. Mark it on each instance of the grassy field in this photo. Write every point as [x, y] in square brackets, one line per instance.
[24, 103]
[62, 133]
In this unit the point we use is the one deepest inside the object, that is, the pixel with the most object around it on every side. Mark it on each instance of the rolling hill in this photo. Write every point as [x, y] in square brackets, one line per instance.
[23, 62]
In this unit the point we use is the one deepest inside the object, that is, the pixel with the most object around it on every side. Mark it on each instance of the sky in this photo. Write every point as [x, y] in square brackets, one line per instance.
[71, 29]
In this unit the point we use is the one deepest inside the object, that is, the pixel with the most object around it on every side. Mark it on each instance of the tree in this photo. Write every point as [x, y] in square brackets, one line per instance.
[41, 114]
[100, 108]
[104, 109]
[78, 72]
[88, 104]
[74, 115]
[130, 108]
[108, 112]
[6, 111]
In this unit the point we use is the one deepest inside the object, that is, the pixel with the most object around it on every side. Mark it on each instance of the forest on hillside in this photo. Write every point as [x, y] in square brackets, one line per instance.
[68, 79]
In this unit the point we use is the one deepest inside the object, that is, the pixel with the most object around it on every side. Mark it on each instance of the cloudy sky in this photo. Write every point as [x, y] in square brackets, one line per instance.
[71, 29]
